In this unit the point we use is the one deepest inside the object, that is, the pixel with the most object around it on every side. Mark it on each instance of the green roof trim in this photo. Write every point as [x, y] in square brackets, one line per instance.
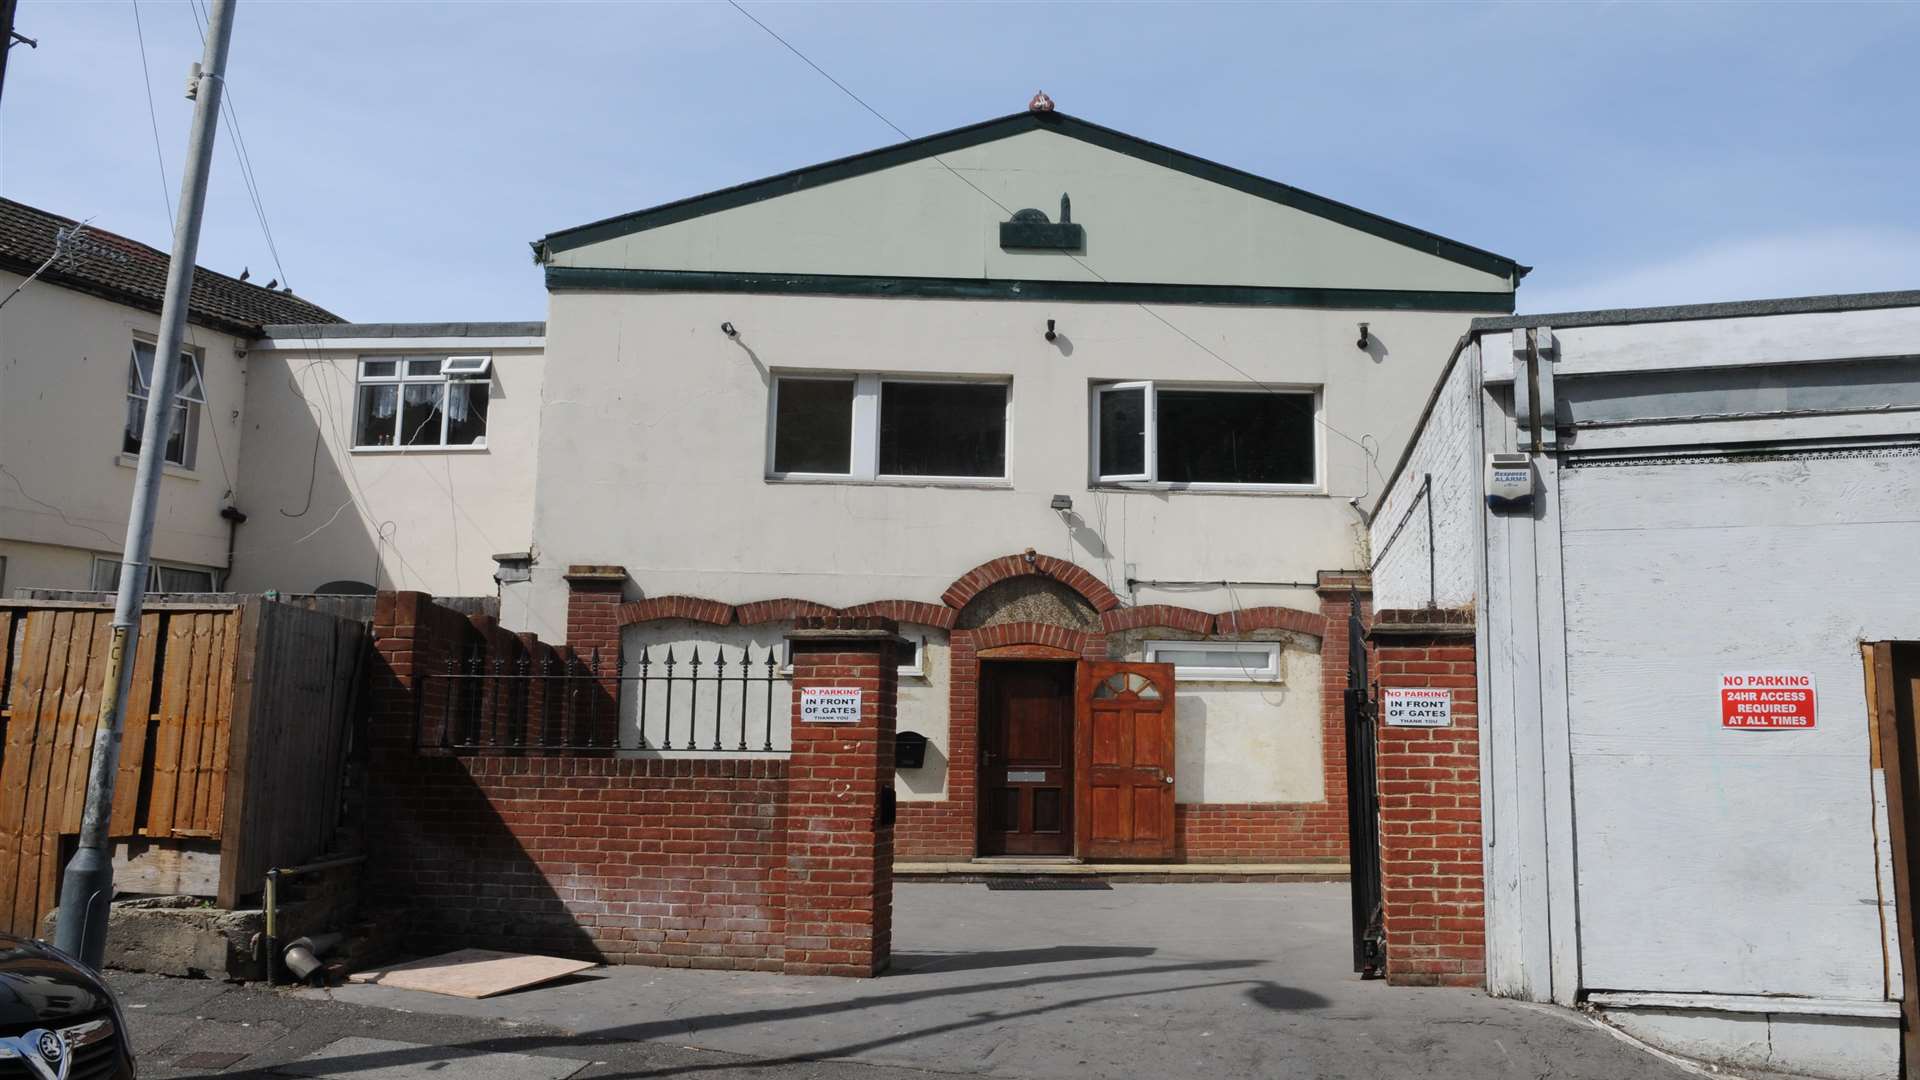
[991, 130]
[585, 278]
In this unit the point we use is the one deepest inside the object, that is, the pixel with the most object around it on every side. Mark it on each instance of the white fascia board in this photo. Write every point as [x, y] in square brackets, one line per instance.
[434, 344]
[1746, 1003]
[1697, 344]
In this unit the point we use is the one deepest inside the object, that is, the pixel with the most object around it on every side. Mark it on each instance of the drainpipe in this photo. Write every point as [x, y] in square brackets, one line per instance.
[236, 517]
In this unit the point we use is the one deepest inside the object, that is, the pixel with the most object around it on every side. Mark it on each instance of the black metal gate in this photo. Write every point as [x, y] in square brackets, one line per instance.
[1363, 807]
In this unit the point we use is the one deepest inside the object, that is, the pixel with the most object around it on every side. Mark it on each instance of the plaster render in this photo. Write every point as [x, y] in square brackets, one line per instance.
[422, 518]
[921, 701]
[63, 402]
[648, 404]
[1144, 223]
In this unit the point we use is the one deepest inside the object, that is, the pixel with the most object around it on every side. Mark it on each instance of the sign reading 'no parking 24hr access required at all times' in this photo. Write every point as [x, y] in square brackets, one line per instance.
[1766, 700]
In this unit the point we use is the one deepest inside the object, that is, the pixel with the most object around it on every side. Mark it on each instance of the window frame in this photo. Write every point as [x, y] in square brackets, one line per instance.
[1271, 672]
[192, 404]
[1317, 486]
[863, 458]
[154, 566]
[402, 379]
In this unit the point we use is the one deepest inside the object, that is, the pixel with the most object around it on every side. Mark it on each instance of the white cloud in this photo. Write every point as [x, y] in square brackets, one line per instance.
[1807, 263]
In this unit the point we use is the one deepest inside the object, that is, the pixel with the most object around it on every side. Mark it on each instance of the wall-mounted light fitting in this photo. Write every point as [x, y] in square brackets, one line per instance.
[1050, 334]
[1364, 339]
[727, 329]
[1063, 503]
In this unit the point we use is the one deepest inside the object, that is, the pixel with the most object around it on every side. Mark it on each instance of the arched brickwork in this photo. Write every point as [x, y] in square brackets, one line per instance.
[1168, 615]
[1270, 618]
[781, 610]
[693, 608]
[969, 584]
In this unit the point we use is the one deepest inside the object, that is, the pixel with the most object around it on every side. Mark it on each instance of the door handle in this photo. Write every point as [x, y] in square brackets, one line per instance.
[1168, 779]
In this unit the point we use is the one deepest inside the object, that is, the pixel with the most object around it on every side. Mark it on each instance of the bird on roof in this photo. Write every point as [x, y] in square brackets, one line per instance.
[245, 273]
[275, 282]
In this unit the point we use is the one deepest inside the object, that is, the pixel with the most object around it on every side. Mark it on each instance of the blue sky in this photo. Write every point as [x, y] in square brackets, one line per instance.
[406, 152]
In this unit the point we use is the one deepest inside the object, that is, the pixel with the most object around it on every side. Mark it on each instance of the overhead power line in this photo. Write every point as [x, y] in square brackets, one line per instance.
[1286, 400]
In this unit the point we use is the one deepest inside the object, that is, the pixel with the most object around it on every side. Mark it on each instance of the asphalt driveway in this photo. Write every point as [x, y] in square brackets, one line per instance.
[1226, 980]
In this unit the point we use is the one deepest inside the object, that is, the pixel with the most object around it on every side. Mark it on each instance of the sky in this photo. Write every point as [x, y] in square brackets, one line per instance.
[406, 153]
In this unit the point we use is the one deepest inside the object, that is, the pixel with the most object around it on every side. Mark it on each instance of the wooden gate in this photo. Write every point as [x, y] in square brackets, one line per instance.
[191, 763]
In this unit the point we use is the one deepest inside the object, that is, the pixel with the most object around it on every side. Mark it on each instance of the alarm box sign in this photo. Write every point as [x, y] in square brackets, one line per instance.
[1416, 708]
[829, 704]
[1766, 701]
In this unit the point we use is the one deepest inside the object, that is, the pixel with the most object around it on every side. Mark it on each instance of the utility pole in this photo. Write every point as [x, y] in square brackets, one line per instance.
[86, 892]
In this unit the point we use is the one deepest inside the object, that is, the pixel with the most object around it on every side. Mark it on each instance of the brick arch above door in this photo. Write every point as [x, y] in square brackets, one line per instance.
[1028, 564]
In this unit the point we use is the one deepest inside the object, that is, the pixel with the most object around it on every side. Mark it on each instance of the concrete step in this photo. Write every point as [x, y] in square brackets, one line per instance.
[1130, 873]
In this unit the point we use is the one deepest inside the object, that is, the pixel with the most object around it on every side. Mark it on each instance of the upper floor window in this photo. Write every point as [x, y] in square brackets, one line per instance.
[1249, 438]
[189, 394]
[161, 577]
[422, 401]
[882, 427]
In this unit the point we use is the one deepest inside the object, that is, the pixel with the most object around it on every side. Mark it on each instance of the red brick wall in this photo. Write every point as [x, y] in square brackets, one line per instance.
[672, 863]
[1432, 870]
[686, 863]
[839, 850]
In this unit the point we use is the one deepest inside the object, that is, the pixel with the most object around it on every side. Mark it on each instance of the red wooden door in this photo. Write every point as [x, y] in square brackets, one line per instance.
[1026, 766]
[1125, 760]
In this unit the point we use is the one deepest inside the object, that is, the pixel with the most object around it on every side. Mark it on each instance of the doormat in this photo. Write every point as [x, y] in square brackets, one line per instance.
[1032, 884]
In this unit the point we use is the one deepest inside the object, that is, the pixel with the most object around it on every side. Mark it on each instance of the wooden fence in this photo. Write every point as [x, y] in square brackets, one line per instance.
[235, 731]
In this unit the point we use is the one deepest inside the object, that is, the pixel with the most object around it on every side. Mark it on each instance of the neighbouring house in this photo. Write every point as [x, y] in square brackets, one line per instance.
[76, 349]
[1664, 564]
[310, 455]
[388, 455]
[1048, 394]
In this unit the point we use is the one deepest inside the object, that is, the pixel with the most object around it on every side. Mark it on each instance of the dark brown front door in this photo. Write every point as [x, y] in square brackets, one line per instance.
[1026, 758]
[1126, 760]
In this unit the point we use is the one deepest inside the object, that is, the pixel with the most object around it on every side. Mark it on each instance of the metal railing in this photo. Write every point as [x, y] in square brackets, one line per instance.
[676, 698]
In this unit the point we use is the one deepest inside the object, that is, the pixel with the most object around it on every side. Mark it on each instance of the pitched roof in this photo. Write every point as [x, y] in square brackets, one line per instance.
[129, 272]
[999, 128]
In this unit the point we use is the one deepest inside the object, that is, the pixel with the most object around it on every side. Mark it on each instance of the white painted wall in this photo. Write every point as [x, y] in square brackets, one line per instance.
[1755, 848]
[63, 386]
[421, 518]
[1144, 223]
[1447, 449]
[653, 447]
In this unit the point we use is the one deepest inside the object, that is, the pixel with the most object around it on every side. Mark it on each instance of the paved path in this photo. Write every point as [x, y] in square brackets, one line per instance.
[1140, 981]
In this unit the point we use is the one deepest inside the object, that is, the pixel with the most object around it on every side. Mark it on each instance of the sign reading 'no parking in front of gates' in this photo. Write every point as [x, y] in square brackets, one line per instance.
[1416, 708]
[829, 704]
[1766, 700]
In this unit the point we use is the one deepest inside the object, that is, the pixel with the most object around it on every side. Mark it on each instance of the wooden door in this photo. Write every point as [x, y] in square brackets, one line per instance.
[1026, 766]
[1893, 696]
[1125, 758]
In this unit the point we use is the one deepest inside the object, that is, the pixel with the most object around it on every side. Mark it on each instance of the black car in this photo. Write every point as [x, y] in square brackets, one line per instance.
[58, 1020]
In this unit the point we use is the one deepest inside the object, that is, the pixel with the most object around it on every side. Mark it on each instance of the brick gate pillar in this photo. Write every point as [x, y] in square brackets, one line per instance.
[1432, 871]
[840, 799]
[593, 637]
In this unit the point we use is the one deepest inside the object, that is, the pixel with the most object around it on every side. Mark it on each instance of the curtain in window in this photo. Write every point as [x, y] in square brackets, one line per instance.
[385, 401]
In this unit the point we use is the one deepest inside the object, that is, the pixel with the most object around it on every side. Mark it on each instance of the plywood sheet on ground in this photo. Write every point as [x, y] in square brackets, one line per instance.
[474, 973]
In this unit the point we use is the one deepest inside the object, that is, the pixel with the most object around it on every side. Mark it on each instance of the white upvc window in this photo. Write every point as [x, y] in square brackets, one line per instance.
[913, 659]
[1203, 437]
[161, 577]
[422, 401]
[899, 428]
[189, 394]
[1218, 661]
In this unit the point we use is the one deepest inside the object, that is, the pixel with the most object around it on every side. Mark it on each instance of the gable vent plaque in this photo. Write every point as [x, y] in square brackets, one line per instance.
[1031, 231]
